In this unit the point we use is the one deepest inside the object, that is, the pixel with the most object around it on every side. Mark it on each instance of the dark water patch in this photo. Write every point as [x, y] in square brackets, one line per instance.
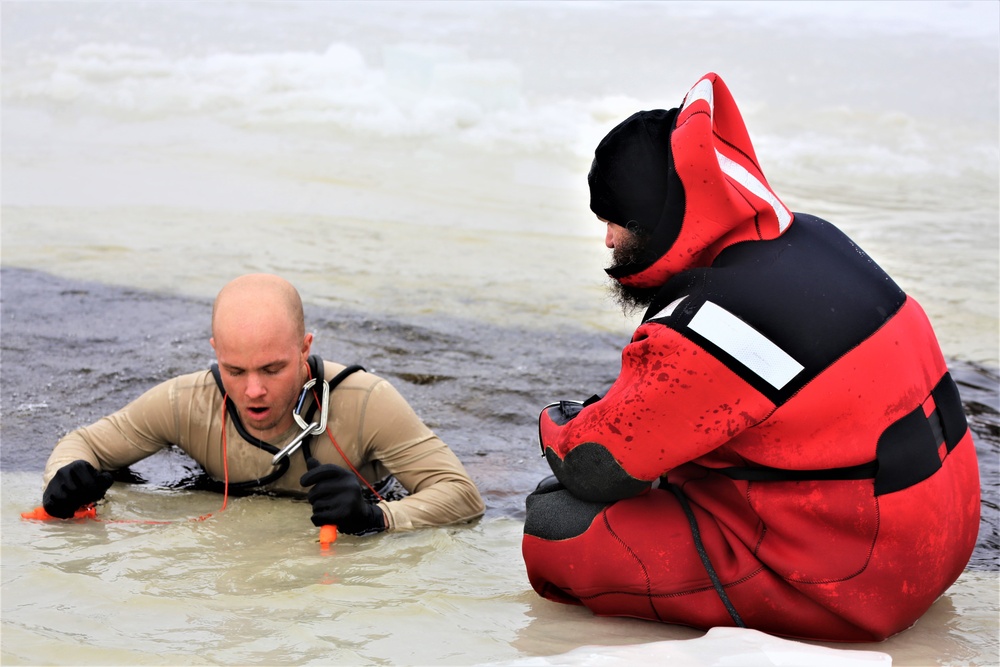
[978, 387]
[72, 352]
[423, 378]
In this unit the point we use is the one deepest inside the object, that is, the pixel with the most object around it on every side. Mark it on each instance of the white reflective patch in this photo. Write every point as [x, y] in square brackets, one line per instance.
[746, 344]
[739, 173]
[701, 91]
[669, 310]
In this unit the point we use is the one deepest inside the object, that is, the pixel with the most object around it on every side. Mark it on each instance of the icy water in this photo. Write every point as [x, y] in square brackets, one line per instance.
[419, 171]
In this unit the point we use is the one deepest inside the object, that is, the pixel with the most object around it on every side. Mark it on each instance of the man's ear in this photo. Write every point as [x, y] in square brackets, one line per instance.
[211, 341]
[307, 345]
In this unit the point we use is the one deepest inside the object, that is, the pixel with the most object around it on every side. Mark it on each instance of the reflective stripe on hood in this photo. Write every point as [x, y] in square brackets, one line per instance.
[723, 199]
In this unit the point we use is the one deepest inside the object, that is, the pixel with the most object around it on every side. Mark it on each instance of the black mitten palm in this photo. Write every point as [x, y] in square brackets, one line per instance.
[336, 499]
[74, 486]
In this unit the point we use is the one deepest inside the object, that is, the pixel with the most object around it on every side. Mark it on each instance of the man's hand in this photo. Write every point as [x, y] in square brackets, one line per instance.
[336, 499]
[74, 486]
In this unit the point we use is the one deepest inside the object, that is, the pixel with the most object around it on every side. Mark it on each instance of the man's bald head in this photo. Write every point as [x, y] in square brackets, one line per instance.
[257, 295]
[258, 334]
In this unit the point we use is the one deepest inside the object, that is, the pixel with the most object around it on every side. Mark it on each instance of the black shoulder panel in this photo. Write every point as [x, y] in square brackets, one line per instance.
[812, 292]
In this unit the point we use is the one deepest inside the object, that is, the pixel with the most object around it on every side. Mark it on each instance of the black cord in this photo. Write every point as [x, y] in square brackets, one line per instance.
[716, 582]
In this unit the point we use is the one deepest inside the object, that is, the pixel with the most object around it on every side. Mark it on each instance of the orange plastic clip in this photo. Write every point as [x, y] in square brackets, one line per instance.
[39, 514]
[327, 536]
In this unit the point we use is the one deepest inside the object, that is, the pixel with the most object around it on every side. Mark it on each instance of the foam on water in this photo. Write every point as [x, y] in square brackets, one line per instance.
[318, 72]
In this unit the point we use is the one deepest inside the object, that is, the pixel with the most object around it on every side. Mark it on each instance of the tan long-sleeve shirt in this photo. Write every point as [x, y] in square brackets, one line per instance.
[376, 429]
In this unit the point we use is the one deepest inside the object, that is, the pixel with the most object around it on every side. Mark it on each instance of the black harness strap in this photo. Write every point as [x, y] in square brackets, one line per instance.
[337, 379]
[910, 450]
[316, 371]
[914, 447]
[769, 474]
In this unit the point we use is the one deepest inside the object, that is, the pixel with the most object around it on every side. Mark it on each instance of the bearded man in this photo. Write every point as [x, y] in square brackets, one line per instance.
[784, 448]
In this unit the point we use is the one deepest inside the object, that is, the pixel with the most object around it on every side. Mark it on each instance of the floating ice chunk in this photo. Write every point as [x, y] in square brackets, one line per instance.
[719, 647]
[416, 72]
[492, 84]
[409, 68]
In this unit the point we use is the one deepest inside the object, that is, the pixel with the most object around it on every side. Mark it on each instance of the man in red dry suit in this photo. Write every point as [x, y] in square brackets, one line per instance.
[784, 448]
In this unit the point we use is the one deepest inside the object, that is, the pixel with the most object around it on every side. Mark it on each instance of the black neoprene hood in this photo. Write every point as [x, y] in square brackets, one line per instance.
[629, 175]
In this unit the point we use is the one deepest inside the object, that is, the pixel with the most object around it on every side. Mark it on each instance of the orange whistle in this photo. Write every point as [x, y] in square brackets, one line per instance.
[39, 514]
[327, 536]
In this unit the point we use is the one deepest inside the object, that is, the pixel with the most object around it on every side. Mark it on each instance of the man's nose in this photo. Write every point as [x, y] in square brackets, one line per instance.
[609, 237]
[255, 386]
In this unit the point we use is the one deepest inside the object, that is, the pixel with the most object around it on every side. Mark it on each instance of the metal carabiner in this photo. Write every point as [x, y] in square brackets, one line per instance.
[314, 428]
[321, 426]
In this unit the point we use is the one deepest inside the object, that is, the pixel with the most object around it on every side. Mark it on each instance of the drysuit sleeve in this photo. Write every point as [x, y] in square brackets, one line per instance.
[140, 429]
[672, 403]
[441, 491]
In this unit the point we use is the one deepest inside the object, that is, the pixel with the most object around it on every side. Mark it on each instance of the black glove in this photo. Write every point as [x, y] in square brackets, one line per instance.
[337, 499]
[74, 486]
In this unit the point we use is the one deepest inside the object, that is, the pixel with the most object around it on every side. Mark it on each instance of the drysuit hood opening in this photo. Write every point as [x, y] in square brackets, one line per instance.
[689, 179]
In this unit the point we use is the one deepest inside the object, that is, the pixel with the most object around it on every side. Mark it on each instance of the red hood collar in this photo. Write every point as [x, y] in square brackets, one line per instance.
[716, 192]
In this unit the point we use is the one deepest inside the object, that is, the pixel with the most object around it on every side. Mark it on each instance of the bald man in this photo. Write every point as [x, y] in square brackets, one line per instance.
[375, 466]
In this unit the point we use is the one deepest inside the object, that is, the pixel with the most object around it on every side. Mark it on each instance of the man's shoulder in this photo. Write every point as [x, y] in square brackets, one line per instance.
[358, 379]
[189, 389]
[196, 381]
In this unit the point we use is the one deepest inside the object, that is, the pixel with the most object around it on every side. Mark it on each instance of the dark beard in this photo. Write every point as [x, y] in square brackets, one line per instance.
[633, 251]
[632, 299]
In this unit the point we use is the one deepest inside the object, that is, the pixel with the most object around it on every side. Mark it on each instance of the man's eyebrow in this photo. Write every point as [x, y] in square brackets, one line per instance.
[278, 363]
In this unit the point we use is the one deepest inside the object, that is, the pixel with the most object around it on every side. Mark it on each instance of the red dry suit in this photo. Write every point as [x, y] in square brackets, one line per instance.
[784, 447]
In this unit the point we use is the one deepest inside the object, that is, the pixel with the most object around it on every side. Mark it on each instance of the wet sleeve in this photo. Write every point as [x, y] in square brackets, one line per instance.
[140, 429]
[441, 491]
[672, 403]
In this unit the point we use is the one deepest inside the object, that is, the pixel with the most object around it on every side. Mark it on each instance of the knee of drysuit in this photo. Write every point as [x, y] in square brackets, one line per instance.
[553, 513]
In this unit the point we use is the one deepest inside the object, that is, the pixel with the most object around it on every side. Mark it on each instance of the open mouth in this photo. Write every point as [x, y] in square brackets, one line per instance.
[257, 411]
